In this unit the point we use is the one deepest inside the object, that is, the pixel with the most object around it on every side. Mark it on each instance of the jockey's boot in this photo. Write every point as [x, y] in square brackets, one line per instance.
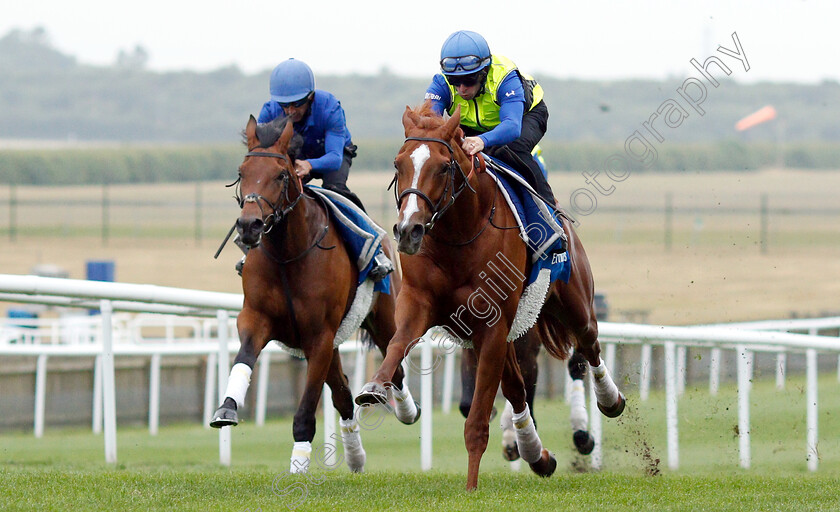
[382, 266]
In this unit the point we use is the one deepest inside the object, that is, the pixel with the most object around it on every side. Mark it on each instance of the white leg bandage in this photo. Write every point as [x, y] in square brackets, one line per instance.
[606, 392]
[530, 446]
[406, 409]
[577, 401]
[354, 452]
[238, 382]
[301, 453]
[506, 422]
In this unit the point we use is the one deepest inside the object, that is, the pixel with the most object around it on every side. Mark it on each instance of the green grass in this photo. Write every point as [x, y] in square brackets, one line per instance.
[178, 469]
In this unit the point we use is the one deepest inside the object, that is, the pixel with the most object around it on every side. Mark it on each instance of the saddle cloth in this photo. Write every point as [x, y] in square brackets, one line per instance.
[361, 235]
[540, 226]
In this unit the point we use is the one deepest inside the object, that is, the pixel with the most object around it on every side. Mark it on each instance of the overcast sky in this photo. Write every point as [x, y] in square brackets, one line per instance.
[788, 40]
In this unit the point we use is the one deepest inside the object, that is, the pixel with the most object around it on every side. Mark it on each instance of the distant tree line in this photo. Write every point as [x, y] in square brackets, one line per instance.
[196, 118]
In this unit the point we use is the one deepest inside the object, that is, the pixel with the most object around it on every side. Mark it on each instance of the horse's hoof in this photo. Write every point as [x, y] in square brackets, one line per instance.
[577, 366]
[584, 442]
[224, 417]
[413, 420]
[372, 394]
[616, 410]
[510, 452]
[546, 465]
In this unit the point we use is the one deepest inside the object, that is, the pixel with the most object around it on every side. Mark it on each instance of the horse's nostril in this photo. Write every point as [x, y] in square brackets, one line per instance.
[396, 233]
[417, 232]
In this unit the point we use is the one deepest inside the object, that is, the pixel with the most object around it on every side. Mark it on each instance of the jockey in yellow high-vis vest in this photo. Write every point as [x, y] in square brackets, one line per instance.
[502, 109]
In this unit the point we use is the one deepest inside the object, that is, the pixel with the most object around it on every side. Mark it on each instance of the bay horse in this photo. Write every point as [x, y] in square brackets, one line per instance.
[450, 228]
[299, 283]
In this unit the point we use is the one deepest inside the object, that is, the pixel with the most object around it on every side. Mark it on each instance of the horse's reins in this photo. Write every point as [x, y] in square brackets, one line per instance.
[436, 211]
[449, 189]
[277, 215]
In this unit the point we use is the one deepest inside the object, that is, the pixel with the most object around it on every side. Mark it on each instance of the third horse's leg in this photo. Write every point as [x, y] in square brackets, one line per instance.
[319, 360]
[354, 452]
[527, 440]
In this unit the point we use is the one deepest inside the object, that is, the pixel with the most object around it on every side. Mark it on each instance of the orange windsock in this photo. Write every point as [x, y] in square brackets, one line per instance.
[759, 116]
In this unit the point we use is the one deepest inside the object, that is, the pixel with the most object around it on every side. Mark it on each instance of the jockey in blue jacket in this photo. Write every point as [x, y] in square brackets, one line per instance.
[502, 109]
[328, 150]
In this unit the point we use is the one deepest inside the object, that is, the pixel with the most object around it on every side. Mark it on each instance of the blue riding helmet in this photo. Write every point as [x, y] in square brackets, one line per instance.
[464, 53]
[291, 80]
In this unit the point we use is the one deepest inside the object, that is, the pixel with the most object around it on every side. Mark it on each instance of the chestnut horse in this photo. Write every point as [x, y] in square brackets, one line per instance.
[299, 283]
[527, 350]
[451, 227]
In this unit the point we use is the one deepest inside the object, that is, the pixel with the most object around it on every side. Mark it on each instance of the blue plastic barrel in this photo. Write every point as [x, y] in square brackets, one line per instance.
[100, 271]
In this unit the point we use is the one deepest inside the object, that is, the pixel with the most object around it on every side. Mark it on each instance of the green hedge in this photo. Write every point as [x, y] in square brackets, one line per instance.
[133, 164]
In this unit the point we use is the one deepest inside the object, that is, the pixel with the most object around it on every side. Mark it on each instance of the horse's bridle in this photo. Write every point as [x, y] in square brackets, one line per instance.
[449, 189]
[277, 213]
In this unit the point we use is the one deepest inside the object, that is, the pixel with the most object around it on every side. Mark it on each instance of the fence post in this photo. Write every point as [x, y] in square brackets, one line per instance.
[811, 371]
[97, 395]
[209, 384]
[154, 394]
[744, 385]
[427, 401]
[40, 394]
[644, 372]
[108, 384]
[224, 361]
[262, 388]
[671, 419]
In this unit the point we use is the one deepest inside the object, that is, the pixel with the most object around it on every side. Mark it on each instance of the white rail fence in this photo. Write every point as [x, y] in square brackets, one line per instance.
[201, 313]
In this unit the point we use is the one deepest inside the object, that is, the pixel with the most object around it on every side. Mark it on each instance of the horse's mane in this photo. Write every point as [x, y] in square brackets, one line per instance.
[429, 119]
[268, 133]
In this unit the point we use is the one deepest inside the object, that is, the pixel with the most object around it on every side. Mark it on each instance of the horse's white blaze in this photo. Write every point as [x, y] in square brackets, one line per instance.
[418, 157]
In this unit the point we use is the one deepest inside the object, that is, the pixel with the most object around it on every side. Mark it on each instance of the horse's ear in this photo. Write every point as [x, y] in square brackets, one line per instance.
[285, 137]
[452, 124]
[409, 119]
[251, 133]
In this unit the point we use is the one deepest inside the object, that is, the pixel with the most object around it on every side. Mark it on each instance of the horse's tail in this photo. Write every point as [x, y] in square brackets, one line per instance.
[366, 338]
[554, 336]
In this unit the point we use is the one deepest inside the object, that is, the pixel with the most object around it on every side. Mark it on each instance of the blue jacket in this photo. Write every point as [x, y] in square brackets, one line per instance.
[511, 108]
[324, 130]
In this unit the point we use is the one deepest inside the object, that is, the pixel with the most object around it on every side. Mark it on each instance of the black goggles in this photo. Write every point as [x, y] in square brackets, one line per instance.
[466, 63]
[467, 80]
[297, 104]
